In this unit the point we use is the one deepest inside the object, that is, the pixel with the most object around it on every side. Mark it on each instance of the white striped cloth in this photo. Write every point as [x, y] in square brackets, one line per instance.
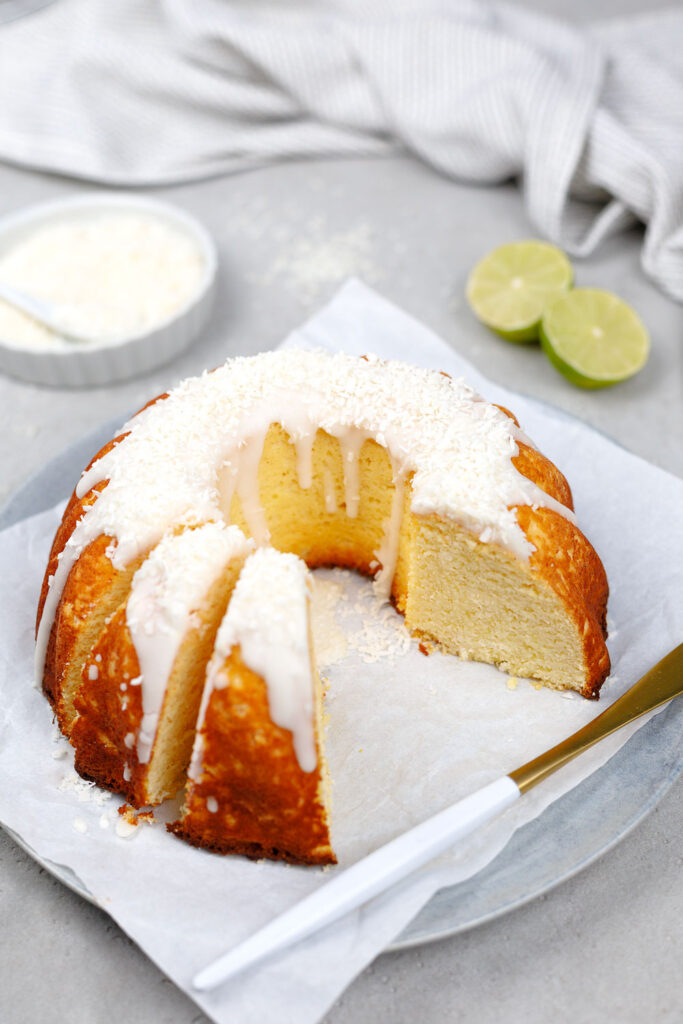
[137, 92]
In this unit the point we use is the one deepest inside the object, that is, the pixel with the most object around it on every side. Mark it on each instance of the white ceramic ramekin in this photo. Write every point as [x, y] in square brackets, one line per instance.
[98, 363]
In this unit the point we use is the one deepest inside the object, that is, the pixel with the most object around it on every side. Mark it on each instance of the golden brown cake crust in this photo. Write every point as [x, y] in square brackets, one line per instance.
[80, 590]
[568, 563]
[108, 714]
[74, 511]
[267, 806]
[570, 566]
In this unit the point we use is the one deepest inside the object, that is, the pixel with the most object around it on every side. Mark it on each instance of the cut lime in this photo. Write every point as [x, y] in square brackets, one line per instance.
[510, 289]
[594, 338]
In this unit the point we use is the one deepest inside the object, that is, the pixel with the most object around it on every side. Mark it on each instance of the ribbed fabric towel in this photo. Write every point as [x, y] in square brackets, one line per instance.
[156, 91]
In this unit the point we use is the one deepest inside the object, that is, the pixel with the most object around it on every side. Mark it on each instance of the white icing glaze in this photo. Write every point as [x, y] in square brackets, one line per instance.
[167, 590]
[387, 553]
[351, 441]
[304, 458]
[186, 455]
[248, 458]
[268, 619]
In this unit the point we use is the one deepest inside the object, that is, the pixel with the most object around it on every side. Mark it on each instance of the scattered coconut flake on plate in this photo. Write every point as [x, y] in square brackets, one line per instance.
[348, 617]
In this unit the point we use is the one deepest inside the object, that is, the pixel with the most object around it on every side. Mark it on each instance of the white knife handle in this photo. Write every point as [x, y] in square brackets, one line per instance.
[367, 878]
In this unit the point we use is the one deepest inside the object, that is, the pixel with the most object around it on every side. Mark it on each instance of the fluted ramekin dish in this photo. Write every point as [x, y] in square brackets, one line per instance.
[96, 363]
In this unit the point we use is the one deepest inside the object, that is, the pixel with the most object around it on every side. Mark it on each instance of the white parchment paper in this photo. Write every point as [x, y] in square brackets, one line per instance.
[407, 735]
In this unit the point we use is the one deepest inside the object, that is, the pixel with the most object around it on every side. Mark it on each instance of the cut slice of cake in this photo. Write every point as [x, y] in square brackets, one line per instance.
[258, 779]
[142, 681]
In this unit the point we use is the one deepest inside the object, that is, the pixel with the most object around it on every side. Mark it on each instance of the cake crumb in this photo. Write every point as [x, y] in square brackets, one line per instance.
[134, 818]
[423, 649]
[512, 683]
[127, 823]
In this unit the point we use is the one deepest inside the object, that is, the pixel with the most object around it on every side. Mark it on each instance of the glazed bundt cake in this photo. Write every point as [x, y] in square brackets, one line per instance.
[401, 473]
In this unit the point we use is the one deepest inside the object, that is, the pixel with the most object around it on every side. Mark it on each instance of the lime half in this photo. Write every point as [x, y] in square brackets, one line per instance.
[594, 338]
[511, 288]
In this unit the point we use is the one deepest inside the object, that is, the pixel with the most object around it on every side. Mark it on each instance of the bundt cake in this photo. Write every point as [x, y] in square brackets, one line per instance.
[398, 472]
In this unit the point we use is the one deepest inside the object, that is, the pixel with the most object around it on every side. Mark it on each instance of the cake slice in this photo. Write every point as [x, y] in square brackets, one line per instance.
[258, 779]
[142, 680]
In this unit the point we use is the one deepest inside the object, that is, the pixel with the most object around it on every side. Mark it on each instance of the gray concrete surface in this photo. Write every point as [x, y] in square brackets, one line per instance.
[605, 946]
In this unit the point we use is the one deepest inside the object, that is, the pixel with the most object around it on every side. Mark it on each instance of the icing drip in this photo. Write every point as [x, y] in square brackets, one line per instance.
[67, 560]
[304, 459]
[247, 487]
[226, 485]
[166, 592]
[351, 441]
[267, 618]
[387, 553]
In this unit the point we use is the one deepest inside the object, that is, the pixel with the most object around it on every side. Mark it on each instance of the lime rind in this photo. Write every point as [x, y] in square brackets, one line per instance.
[509, 289]
[594, 338]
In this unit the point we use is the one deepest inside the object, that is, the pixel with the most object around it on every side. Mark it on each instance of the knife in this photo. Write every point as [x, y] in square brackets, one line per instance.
[395, 860]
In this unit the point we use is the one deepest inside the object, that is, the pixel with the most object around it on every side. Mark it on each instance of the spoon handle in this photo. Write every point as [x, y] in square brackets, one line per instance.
[663, 682]
[30, 304]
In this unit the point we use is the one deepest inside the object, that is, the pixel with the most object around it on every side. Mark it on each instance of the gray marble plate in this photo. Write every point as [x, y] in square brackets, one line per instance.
[572, 833]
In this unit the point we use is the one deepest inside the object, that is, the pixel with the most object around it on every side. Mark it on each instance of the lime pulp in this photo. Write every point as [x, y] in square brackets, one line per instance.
[509, 289]
[594, 338]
